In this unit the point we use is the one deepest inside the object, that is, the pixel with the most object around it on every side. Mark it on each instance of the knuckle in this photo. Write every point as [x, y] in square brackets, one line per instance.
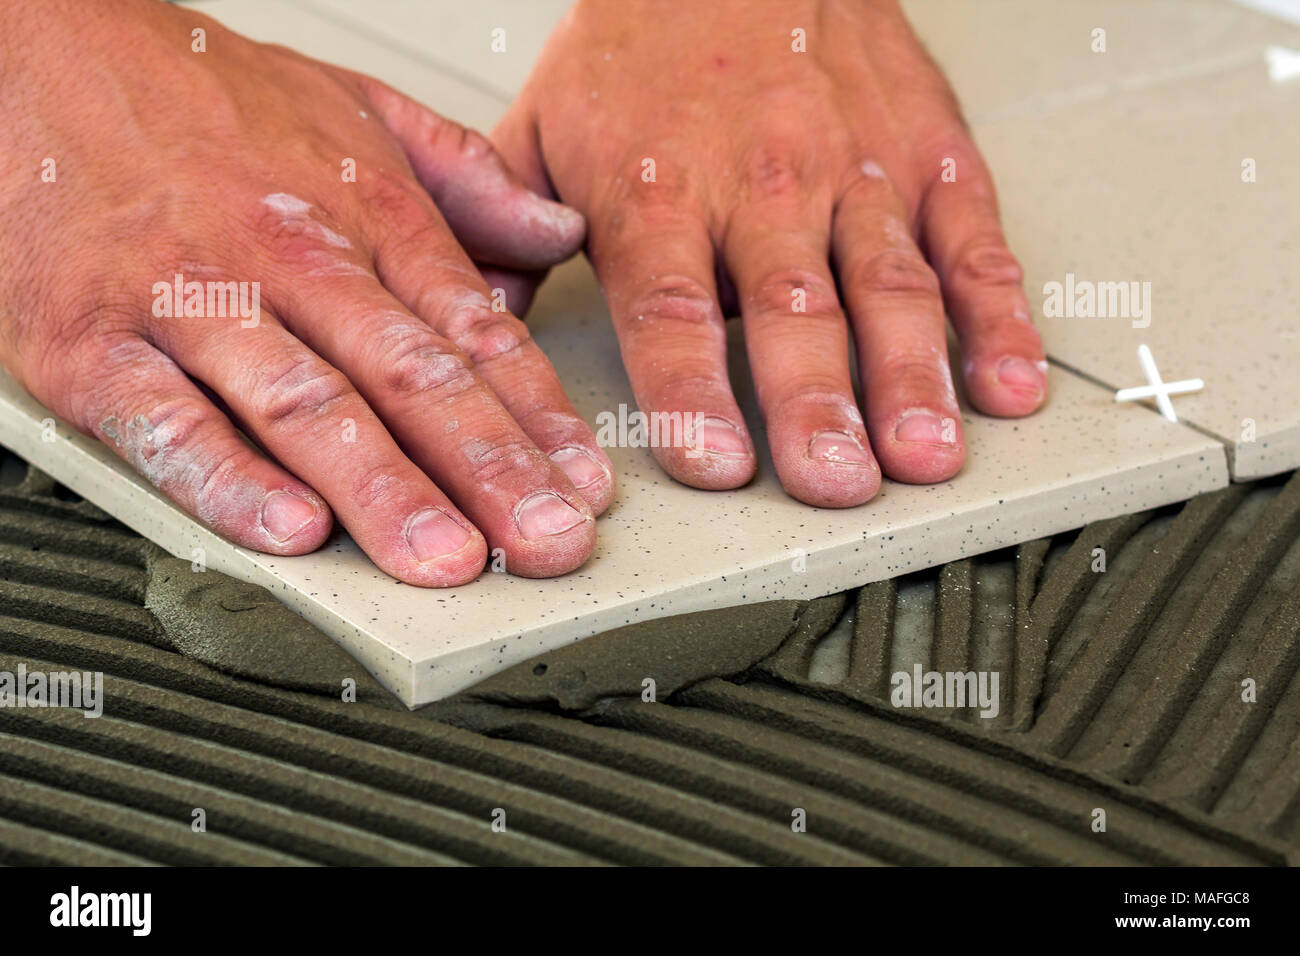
[447, 284]
[302, 389]
[171, 425]
[916, 369]
[817, 391]
[374, 485]
[986, 260]
[895, 270]
[796, 291]
[105, 374]
[628, 206]
[676, 298]
[170, 444]
[221, 473]
[469, 143]
[775, 173]
[84, 336]
[294, 236]
[484, 334]
[424, 363]
[512, 459]
[394, 198]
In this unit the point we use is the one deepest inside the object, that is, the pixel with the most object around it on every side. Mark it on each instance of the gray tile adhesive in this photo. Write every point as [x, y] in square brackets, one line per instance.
[1121, 691]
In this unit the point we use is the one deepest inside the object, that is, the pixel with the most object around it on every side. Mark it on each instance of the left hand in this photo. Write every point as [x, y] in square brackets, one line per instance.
[717, 164]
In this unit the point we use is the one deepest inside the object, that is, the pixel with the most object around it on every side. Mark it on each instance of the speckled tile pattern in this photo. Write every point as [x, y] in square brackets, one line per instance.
[665, 548]
[1147, 187]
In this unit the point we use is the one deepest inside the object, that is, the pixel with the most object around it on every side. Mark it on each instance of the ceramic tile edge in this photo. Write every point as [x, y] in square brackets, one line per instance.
[165, 524]
[1269, 455]
[435, 676]
[159, 520]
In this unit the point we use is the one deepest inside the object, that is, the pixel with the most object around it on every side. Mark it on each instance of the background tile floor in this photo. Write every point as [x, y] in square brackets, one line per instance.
[1045, 109]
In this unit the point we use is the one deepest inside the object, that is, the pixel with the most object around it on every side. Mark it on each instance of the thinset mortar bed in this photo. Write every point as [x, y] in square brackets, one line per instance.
[1123, 690]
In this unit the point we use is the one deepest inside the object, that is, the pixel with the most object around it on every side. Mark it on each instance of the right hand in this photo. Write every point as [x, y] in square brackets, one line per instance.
[377, 374]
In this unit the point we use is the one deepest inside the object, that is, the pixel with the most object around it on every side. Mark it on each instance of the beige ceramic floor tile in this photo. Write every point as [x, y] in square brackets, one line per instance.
[1017, 57]
[665, 548]
[1002, 55]
[328, 38]
[458, 36]
[1147, 186]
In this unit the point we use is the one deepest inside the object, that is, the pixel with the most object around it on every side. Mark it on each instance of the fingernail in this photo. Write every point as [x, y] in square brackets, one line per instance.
[718, 436]
[925, 427]
[285, 514]
[545, 513]
[564, 218]
[432, 533]
[838, 447]
[1018, 372]
[580, 465]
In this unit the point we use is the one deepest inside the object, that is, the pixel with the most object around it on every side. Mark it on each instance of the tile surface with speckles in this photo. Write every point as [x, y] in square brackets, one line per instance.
[1146, 186]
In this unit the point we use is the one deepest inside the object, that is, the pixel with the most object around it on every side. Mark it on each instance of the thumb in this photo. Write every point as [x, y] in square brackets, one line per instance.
[493, 214]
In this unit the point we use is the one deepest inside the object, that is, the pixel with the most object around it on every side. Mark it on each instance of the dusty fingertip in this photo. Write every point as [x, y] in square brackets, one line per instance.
[924, 448]
[1023, 377]
[556, 536]
[831, 482]
[446, 551]
[839, 448]
[293, 521]
[1009, 387]
[545, 514]
[591, 475]
[716, 455]
[579, 466]
[707, 472]
[830, 469]
[566, 226]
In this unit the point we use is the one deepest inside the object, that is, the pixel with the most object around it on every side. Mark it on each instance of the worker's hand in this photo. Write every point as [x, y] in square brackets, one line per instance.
[805, 160]
[365, 357]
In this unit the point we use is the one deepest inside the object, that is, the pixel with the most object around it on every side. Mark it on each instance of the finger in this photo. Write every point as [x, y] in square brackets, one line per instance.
[898, 323]
[449, 422]
[656, 267]
[135, 400]
[307, 414]
[420, 263]
[494, 215]
[1002, 355]
[798, 345]
[518, 288]
[515, 138]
